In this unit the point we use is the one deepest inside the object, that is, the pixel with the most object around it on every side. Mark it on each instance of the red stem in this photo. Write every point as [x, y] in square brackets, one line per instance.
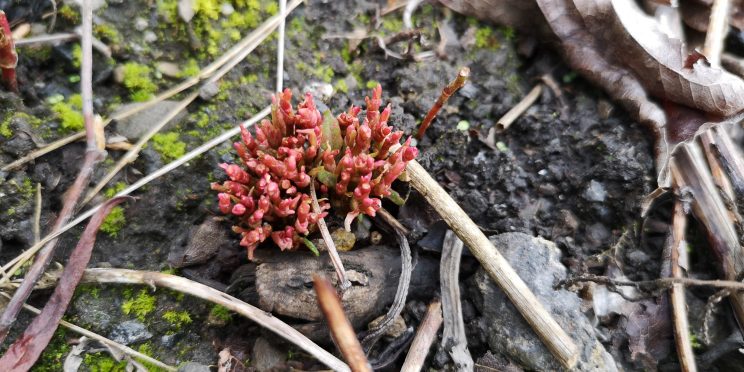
[449, 90]
[8, 55]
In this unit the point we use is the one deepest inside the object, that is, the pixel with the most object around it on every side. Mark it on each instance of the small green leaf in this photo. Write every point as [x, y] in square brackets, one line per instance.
[327, 178]
[396, 198]
[310, 246]
[331, 131]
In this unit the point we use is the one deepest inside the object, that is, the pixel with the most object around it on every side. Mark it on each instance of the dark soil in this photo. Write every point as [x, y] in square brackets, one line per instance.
[573, 174]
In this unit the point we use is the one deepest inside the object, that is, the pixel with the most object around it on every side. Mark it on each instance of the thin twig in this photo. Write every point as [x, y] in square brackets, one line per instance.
[47, 39]
[497, 267]
[652, 285]
[449, 90]
[400, 294]
[517, 111]
[341, 329]
[280, 47]
[338, 265]
[454, 340]
[717, 29]
[677, 247]
[190, 287]
[19, 260]
[94, 153]
[258, 34]
[37, 215]
[425, 336]
[95, 336]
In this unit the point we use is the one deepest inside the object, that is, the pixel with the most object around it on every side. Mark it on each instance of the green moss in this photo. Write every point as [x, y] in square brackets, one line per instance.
[113, 190]
[248, 79]
[140, 306]
[372, 84]
[190, 69]
[392, 24]
[694, 342]
[341, 86]
[114, 222]
[137, 78]
[146, 349]
[508, 33]
[107, 32]
[54, 354]
[207, 8]
[221, 313]
[77, 55]
[5, 127]
[177, 318]
[38, 53]
[485, 38]
[5, 130]
[69, 14]
[101, 362]
[168, 145]
[70, 113]
[320, 71]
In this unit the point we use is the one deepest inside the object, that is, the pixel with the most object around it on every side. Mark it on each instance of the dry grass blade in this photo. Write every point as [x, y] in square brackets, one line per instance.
[208, 71]
[453, 338]
[19, 260]
[44, 39]
[93, 155]
[552, 335]
[176, 283]
[717, 29]
[425, 336]
[95, 336]
[341, 330]
[280, 47]
[37, 215]
[338, 265]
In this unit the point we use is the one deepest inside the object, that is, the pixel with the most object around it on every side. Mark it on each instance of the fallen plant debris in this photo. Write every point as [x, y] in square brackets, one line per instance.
[351, 160]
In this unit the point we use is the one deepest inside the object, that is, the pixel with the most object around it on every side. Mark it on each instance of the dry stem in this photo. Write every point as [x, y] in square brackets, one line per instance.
[453, 338]
[425, 336]
[93, 155]
[554, 337]
[343, 282]
[449, 90]
[717, 29]
[341, 329]
[517, 111]
[176, 283]
[677, 291]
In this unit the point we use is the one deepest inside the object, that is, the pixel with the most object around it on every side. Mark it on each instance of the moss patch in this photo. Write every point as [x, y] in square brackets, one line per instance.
[69, 113]
[168, 145]
[177, 318]
[138, 79]
[54, 355]
[140, 306]
[101, 362]
[114, 222]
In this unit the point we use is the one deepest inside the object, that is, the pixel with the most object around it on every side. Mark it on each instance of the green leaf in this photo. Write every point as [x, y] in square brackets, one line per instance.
[396, 198]
[331, 131]
[327, 178]
[310, 246]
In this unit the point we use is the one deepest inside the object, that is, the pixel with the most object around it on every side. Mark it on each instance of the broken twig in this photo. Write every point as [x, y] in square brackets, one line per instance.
[447, 92]
[506, 121]
[343, 281]
[425, 336]
[343, 333]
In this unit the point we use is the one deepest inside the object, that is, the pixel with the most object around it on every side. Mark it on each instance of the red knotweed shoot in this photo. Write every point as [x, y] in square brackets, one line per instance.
[349, 159]
[8, 56]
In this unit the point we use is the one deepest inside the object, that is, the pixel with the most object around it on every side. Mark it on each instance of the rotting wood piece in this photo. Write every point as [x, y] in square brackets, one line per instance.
[454, 340]
[551, 334]
[284, 283]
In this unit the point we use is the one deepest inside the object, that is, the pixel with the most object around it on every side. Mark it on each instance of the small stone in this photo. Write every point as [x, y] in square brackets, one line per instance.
[193, 367]
[209, 90]
[168, 69]
[168, 340]
[343, 239]
[266, 356]
[394, 330]
[119, 74]
[135, 126]
[226, 9]
[130, 332]
[140, 24]
[150, 36]
[595, 192]
[319, 89]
